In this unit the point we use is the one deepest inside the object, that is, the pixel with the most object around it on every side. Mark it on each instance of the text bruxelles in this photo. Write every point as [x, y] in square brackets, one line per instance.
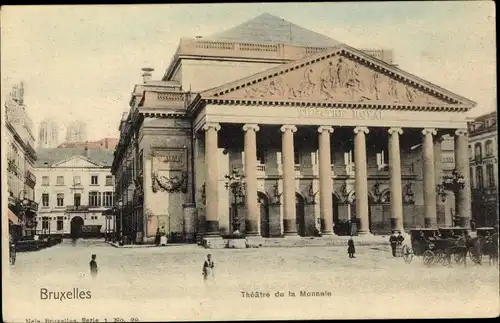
[75, 294]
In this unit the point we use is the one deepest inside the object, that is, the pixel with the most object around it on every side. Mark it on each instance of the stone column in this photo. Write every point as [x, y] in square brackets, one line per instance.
[252, 220]
[211, 180]
[395, 172]
[288, 161]
[463, 196]
[438, 170]
[361, 178]
[430, 215]
[325, 180]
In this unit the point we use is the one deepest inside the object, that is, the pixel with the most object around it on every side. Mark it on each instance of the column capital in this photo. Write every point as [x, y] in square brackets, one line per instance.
[251, 126]
[361, 129]
[461, 132]
[325, 129]
[395, 131]
[429, 131]
[288, 127]
[213, 125]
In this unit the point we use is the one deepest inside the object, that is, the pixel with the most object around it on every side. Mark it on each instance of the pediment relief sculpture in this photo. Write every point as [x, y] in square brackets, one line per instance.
[338, 79]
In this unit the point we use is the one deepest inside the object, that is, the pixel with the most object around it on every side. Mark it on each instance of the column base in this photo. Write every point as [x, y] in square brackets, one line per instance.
[364, 233]
[430, 223]
[213, 242]
[211, 228]
[464, 222]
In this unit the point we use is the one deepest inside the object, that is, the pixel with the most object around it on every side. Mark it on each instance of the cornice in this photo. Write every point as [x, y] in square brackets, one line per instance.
[329, 104]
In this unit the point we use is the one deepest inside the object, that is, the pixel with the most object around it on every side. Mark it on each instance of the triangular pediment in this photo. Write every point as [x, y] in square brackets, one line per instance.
[340, 75]
[77, 162]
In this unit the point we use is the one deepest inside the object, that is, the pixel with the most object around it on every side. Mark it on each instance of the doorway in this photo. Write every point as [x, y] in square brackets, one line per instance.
[76, 227]
[264, 214]
[300, 215]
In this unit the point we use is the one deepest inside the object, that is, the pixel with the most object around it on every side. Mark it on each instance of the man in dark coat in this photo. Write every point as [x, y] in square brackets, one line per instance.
[351, 250]
[393, 240]
[399, 245]
[93, 267]
[208, 268]
[157, 237]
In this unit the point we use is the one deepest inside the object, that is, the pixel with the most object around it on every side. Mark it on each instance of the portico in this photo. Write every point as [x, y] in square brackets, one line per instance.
[317, 125]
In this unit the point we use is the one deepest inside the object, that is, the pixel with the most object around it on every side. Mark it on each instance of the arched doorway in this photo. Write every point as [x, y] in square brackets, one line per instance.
[300, 215]
[76, 227]
[264, 214]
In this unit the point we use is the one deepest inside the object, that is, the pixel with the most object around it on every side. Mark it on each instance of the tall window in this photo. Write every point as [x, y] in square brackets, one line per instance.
[94, 199]
[45, 181]
[45, 199]
[348, 157]
[382, 158]
[471, 154]
[77, 199]
[109, 180]
[94, 180]
[261, 155]
[45, 223]
[490, 175]
[471, 178]
[77, 180]
[60, 180]
[488, 148]
[107, 199]
[296, 156]
[479, 177]
[60, 199]
[60, 223]
[478, 152]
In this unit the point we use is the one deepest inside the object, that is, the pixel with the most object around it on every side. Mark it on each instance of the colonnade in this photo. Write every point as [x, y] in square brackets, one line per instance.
[325, 179]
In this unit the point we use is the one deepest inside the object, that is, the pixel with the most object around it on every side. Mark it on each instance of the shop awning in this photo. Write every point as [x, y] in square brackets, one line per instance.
[13, 218]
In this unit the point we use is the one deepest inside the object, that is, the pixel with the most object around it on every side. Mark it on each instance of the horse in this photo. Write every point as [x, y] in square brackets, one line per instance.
[487, 246]
[490, 248]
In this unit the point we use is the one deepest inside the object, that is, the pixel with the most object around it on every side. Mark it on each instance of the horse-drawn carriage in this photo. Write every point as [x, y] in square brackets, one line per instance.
[436, 245]
[484, 244]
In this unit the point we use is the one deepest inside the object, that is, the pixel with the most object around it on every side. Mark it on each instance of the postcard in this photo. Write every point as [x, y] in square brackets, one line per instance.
[260, 161]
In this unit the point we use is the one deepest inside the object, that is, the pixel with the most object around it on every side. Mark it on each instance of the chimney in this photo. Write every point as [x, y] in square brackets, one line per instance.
[146, 74]
[86, 149]
[106, 144]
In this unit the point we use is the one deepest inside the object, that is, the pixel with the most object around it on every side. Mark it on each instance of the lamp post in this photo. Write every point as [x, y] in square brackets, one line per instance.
[455, 183]
[234, 182]
[120, 204]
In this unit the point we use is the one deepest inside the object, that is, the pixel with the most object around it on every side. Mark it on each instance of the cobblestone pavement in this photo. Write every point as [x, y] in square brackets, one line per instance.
[165, 283]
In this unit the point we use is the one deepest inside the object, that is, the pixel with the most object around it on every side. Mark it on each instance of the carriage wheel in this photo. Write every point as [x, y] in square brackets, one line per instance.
[428, 257]
[459, 258]
[441, 258]
[407, 254]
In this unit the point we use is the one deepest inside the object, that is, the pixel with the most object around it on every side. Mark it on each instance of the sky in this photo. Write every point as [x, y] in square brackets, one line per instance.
[81, 62]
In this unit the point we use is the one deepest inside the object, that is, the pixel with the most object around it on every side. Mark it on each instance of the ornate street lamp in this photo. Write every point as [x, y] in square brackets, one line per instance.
[203, 194]
[408, 195]
[454, 182]
[276, 193]
[312, 194]
[234, 182]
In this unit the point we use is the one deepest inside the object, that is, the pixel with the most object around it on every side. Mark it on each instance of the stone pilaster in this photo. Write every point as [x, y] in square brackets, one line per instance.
[289, 211]
[361, 178]
[325, 180]
[211, 179]
[463, 198]
[252, 220]
[430, 216]
[395, 181]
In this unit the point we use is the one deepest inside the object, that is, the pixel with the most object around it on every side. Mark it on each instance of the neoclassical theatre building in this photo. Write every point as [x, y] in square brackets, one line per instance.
[274, 130]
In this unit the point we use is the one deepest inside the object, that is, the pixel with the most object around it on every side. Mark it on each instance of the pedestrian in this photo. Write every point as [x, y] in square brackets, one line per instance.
[157, 237]
[351, 250]
[208, 268]
[393, 240]
[93, 267]
[399, 246]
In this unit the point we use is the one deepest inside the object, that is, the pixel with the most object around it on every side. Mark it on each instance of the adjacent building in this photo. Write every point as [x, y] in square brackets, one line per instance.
[483, 159]
[21, 156]
[76, 131]
[48, 133]
[105, 143]
[75, 187]
[270, 129]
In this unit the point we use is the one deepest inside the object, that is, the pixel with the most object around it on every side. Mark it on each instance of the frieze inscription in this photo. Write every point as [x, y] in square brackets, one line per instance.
[341, 114]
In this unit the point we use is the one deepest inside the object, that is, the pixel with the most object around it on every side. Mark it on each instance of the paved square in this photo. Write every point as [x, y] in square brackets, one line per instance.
[166, 284]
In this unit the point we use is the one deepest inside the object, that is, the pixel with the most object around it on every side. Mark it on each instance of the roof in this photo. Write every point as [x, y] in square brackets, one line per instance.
[269, 29]
[54, 155]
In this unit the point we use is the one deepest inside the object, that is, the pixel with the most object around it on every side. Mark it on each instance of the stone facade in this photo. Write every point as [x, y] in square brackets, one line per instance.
[320, 136]
[483, 159]
[21, 156]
